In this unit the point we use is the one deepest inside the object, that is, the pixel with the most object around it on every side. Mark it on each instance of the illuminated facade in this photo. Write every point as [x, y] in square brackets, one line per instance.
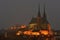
[37, 26]
[40, 23]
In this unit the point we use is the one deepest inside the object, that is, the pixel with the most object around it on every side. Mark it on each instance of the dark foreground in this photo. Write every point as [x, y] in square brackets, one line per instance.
[29, 38]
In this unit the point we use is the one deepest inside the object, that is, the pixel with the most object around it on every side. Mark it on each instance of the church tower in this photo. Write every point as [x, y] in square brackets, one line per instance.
[38, 18]
[35, 22]
[44, 20]
[39, 15]
[45, 24]
[40, 23]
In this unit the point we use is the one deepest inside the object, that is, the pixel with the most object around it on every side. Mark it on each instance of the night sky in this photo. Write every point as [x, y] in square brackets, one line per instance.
[21, 11]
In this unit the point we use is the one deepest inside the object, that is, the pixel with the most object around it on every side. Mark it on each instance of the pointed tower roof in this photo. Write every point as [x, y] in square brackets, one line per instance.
[39, 15]
[37, 19]
[44, 15]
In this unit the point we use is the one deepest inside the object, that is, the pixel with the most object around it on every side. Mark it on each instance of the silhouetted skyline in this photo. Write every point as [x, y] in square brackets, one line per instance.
[21, 11]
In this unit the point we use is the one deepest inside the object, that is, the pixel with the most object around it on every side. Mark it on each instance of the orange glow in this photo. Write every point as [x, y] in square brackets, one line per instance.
[44, 32]
[31, 33]
[27, 32]
[49, 27]
[35, 33]
[18, 33]
[23, 26]
[50, 31]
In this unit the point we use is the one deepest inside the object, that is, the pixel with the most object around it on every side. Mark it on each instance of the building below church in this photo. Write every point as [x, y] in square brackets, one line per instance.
[40, 23]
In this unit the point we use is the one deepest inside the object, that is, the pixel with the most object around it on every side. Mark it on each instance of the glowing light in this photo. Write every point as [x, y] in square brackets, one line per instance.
[31, 33]
[18, 33]
[32, 25]
[27, 32]
[23, 26]
[50, 31]
[44, 32]
[35, 33]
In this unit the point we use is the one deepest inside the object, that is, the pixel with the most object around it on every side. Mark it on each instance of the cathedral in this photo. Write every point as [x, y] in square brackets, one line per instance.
[37, 26]
[40, 23]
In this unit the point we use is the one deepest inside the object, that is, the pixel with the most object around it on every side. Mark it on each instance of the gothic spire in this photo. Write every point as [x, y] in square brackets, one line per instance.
[39, 11]
[44, 15]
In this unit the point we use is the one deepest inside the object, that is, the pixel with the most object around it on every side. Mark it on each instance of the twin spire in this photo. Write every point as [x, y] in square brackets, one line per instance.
[44, 14]
[34, 20]
[39, 11]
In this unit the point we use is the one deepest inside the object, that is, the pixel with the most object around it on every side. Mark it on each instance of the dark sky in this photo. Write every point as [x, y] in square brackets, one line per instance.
[21, 11]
